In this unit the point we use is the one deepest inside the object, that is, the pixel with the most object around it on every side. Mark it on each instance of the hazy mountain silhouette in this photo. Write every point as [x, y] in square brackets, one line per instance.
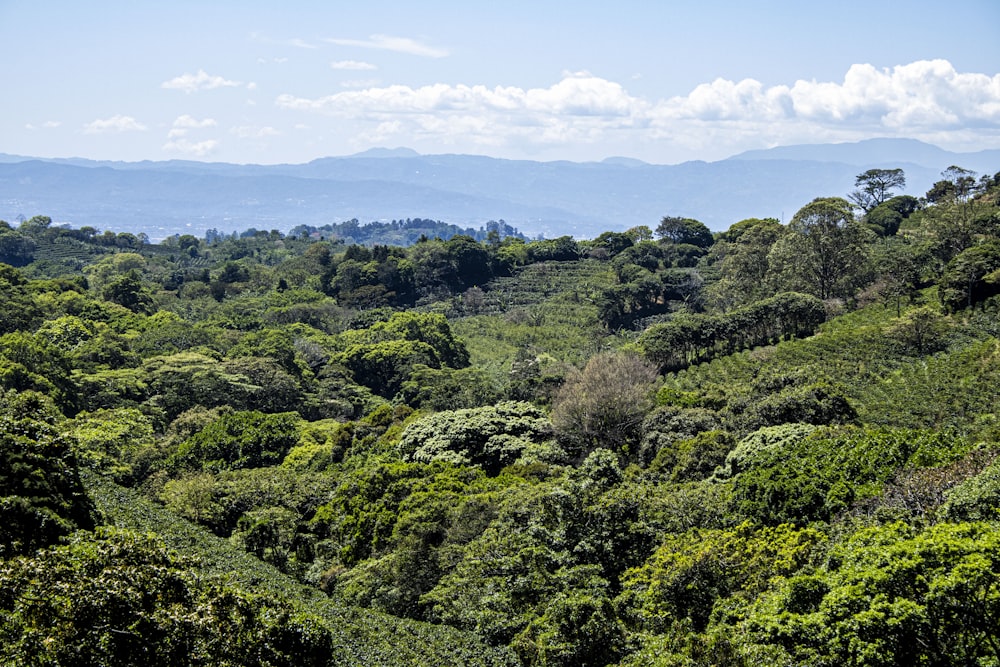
[548, 198]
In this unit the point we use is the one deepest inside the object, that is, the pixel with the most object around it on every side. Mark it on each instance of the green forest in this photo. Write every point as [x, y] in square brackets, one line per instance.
[772, 445]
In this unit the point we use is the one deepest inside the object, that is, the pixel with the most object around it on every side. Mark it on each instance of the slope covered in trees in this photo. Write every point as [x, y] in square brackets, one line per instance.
[656, 447]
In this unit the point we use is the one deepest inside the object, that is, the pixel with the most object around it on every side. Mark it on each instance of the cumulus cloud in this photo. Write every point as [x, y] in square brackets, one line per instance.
[114, 124]
[192, 148]
[577, 95]
[923, 94]
[190, 83]
[397, 44]
[352, 65]
[924, 99]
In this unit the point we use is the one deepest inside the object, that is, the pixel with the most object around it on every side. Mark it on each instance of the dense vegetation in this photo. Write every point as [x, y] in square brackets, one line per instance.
[775, 444]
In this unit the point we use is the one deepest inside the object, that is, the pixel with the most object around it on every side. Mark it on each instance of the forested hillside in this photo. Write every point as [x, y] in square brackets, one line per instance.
[771, 445]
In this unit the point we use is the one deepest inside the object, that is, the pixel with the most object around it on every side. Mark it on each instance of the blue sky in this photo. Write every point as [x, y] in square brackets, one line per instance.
[666, 82]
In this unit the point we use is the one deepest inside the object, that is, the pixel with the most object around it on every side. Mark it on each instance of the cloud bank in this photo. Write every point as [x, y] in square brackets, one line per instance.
[924, 99]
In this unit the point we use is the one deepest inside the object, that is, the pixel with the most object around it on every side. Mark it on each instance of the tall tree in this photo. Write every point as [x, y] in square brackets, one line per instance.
[960, 211]
[824, 252]
[875, 186]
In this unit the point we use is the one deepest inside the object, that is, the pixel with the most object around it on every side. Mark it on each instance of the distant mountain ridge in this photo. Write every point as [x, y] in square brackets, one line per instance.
[540, 198]
[876, 151]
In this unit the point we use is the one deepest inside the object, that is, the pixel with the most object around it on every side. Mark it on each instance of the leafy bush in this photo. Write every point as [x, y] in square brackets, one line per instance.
[490, 437]
[977, 498]
[239, 440]
[690, 572]
[889, 595]
[813, 478]
[123, 599]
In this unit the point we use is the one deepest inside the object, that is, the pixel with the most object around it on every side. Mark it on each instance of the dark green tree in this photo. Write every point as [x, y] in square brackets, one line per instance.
[239, 440]
[684, 231]
[875, 186]
[824, 253]
[41, 496]
[129, 290]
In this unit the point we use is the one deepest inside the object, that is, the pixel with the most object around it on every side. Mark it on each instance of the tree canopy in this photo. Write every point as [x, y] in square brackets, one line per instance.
[773, 444]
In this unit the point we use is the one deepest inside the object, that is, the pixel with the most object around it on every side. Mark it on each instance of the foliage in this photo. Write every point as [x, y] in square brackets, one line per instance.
[741, 255]
[972, 276]
[110, 440]
[388, 352]
[603, 405]
[692, 338]
[684, 231]
[122, 599]
[41, 496]
[471, 430]
[815, 477]
[239, 440]
[889, 595]
[666, 426]
[17, 309]
[976, 498]
[360, 637]
[875, 186]
[491, 437]
[538, 576]
[31, 363]
[824, 253]
[690, 573]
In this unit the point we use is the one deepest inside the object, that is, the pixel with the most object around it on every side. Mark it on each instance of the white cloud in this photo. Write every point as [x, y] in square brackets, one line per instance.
[47, 125]
[252, 85]
[190, 83]
[114, 124]
[301, 44]
[252, 132]
[577, 95]
[193, 148]
[924, 99]
[397, 44]
[186, 122]
[923, 94]
[190, 122]
[353, 65]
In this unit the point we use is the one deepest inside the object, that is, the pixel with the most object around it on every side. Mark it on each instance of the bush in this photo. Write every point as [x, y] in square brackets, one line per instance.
[491, 437]
[239, 440]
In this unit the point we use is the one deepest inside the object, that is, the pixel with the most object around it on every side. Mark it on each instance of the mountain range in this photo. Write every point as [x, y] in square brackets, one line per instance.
[540, 198]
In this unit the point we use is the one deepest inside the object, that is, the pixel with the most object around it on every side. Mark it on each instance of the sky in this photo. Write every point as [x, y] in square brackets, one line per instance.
[657, 80]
